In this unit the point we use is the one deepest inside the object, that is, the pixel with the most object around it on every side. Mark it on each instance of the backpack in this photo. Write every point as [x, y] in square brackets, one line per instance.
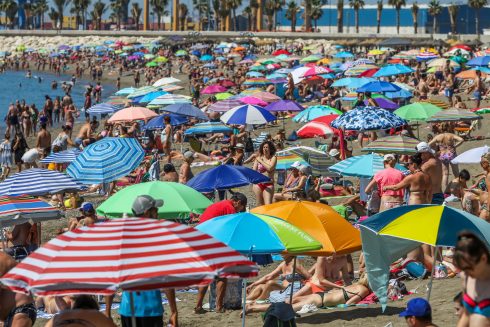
[279, 314]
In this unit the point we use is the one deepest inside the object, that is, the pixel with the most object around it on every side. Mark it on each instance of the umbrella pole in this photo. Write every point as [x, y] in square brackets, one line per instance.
[244, 297]
[292, 283]
[432, 275]
[131, 303]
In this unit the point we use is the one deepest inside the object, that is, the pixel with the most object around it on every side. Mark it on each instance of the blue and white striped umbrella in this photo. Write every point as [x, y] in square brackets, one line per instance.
[247, 114]
[62, 156]
[106, 160]
[125, 91]
[38, 181]
[367, 119]
[208, 128]
[365, 166]
[103, 109]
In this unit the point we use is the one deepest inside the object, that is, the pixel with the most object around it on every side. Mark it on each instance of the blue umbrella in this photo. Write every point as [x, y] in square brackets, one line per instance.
[402, 94]
[206, 57]
[343, 54]
[62, 156]
[225, 177]
[485, 70]
[208, 128]
[391, 70]
[125, 91]
[284, 105]
[247, 115]
[186, 109]
[37, 181]
[367, 119]
[275, 76]
[254, 74]
[313, 112]
[149, 97]
[479, 61]
[352, 82]
[251, 57]
[106, 160]
[103, 109]
[365, 166]
[159, 123]
[196, 53]
[378, 86]
[210, 65]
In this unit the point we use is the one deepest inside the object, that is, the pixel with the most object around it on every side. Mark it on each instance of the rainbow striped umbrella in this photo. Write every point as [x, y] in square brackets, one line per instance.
[393, 144]
[284, 161]
[454, 114]
[20, 209]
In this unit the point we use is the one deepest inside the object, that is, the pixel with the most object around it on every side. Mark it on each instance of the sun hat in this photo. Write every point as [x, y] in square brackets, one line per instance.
[143, 203]
[424, 147]
[417, 307]
[389, 157]
[296, 164]
[333, 153]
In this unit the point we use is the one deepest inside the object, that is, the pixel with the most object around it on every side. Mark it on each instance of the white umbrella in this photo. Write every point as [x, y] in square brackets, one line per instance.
[471, 156]
[166, 81]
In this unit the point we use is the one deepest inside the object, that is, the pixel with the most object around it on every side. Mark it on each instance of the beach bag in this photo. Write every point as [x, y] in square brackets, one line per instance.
[279, 315]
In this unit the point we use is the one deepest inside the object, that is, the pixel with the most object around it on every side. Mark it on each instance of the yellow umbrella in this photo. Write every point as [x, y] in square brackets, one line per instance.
[376, 52]
[160, 59]
[323, 61]
[323, 223]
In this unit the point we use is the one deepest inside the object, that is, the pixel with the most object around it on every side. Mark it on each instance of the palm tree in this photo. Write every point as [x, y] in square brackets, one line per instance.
[233, 5]
[54, 16]
[477, 5]
[224, 14]
[291, 12]
[269, 11]
[452, 10]
[356, 5]
[202, 9]
[254, 4]
[316, 12]
[379, 10]
[41, 7]
[60, 7]
[183, 11]
[397, 4]
[415, 17]
[84, 4]
[340, 16]
[158, 7]
[99, 10]
[28, 14]
[117, 9]
[307, 15]
[434, 10]
[277, 7]
[247, 12]
[11, 8]
[76, 9]
[136, 12]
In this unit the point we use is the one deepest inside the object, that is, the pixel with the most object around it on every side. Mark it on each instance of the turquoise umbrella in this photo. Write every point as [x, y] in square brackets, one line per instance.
[365, 166]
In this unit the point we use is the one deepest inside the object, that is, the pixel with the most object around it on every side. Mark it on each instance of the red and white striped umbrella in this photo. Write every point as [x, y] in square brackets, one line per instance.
[317, 70]
[130, 254]
[315, 129]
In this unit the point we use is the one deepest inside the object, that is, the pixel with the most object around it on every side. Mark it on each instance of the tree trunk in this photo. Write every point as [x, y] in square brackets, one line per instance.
[477, 23]
[397, 21]
[84, 18]
[378, 26]
[415, 27]
[269, 23]
[275, 20]
[61, 19]
[340, 21]
[316, 25]
[307, 13]
[293, 25]
[357, 20]
[235, 22]
[159, 17]
[434, 22]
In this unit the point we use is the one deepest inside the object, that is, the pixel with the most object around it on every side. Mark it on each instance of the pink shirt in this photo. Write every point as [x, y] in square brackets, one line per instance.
[387, 177]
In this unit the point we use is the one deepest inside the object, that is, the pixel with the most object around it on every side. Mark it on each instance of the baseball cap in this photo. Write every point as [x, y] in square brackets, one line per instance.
[87, 206]
[143, 203]
[424, 147]
[417, 307]
[389, 157]
[296, 164]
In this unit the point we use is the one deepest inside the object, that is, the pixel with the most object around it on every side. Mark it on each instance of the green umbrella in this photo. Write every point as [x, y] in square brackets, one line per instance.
[151, 64]
[417, 111]
[223, 96]
[311, 58]
[257, 68]
[179, 200]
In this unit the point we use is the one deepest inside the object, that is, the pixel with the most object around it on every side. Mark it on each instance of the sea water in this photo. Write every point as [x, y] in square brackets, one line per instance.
[14, 85]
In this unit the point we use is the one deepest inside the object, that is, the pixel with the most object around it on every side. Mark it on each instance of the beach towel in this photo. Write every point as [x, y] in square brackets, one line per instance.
[281, 296]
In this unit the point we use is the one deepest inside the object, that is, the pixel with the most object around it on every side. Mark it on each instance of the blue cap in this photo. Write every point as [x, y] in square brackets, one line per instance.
[87, 206]
[417, 307]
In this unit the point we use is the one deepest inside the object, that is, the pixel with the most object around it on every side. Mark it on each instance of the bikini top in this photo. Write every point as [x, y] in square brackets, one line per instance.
[481, 308]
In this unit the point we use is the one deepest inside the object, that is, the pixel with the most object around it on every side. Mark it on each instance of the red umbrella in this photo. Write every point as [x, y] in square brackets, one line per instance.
[327, 119]
[281, 52]
[226, 83]
[132, 254]
[314, 80]
[315, 129]
[369, 72]
[461, 46]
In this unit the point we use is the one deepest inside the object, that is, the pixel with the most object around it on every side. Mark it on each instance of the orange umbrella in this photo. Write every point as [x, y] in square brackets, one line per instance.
[469, 74]
[131, 114]
[239, 49]
[320, 221]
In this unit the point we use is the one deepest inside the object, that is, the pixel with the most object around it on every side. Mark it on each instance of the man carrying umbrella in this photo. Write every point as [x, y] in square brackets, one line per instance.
[148, 307]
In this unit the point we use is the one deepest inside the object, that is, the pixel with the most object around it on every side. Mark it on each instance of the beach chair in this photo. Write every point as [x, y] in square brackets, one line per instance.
[196, 145]
[259, 140]
[465, 132]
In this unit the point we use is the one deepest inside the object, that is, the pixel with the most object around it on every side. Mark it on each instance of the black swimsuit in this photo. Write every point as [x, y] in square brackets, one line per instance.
[27, 309]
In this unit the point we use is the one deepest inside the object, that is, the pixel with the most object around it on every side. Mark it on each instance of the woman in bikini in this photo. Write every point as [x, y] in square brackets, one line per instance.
[473, 258]
[447, 144]
[265, 163]
[294, 185]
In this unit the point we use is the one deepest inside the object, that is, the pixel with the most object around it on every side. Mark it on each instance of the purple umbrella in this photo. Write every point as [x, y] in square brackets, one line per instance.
[225, 105]
[284, 105]
[64, 47]
[384, 103]
[132, 58]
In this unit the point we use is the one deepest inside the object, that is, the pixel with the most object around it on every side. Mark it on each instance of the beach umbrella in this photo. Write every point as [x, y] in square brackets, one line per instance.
[246, 62]
[454, 114]
[159, 122]
[285, 161]
[402, 94]
[378, 86]
[343, 54]
[254, 74]
[125, 91]
[160, 59]
[313, 112]
[142, 91]
[226, 83]
[257, 81]
[358, 70]
[417, 111]
[284, 105]
[275, 75]
[393, 233]
[186, 109]
[266, 96]
[365, 166]
[16, 210]
[106, 160]
[441, 62]
[180, 53]
[171, 88]
[103, 109]
[481, 111]
[225, 177]
[479, 61]
[369, 72]
[149, 97]
[212, 89]
[208, 128]
[253, 101]
[317, 70]
[315, 129]
[169, 99]
[471, 156]
[470, 74]
[132, 114]
[324, 224]
[179, 200]
[223, 96]
[151, 64]
[384, 103]
[391, 70]
[312, 58]
[247, 115]
[131, 254]
[368, 118]
[225, 105]
[400, 144]
[39, 181]
[352, 82]
[62, 156]
[257, 68]
[210, 65]
[423, 56]
[281, 52]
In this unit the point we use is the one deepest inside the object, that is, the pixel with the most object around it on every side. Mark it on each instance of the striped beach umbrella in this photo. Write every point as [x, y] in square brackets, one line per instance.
[208, 128]
[247, 115]
[132, 254]
[106, 160]
[313, 112]
[62, 156]
[315, 129]
[393, 144]
[225, 105]
[20, 209]
[38, 181]
[361, 166]
[125, 91]
[103, 109]
[454, 114]
[266, 96]
[285, 161]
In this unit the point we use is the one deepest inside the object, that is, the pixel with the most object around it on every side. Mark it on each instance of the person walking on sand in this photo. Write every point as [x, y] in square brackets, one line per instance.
[432, 167]
[447, 144]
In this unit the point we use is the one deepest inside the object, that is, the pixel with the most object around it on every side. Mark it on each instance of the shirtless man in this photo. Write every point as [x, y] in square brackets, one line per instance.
[325, 273]
[478, 88]
[85, 135]
[422, 88]
[43, 141]
[16, 309]
[432, 167]
[12, 119]
[418, 182]
[19, 238]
